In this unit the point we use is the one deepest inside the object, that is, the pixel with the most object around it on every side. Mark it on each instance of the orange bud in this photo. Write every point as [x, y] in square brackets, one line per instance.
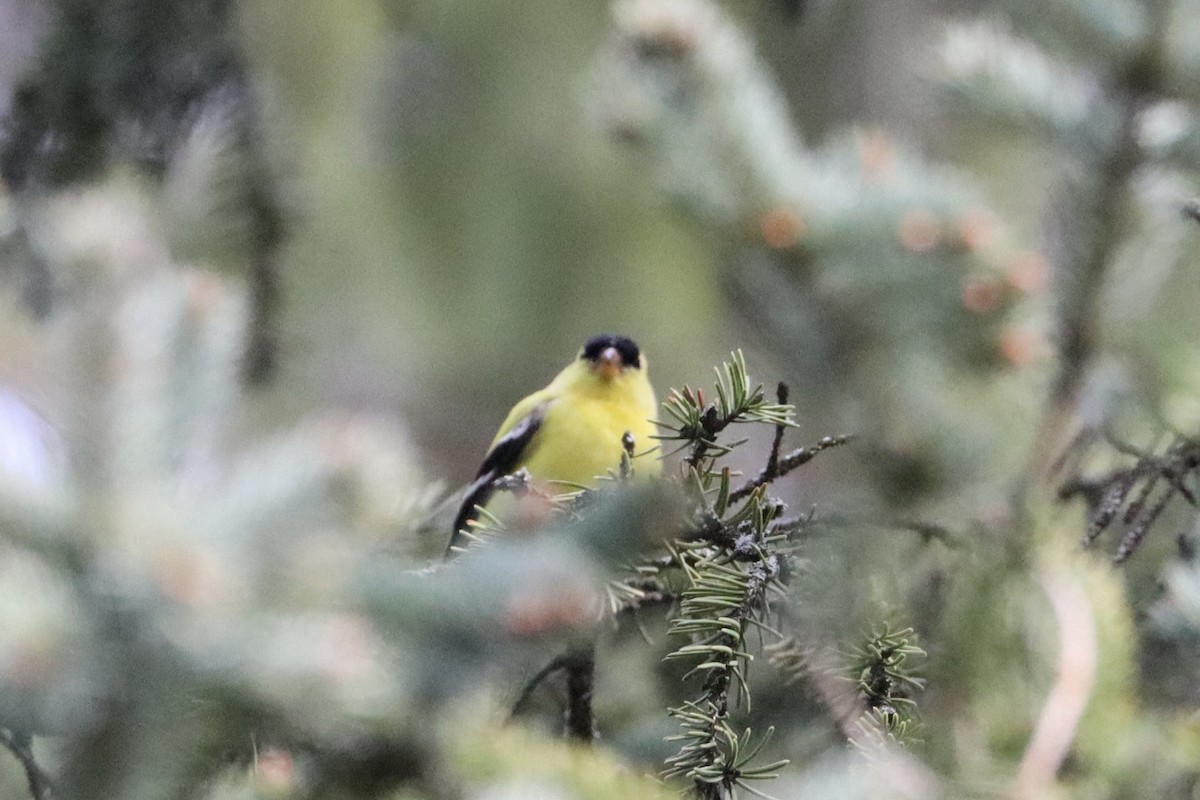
[982, 295]
[919, 230]
[1022, 346]
[540, 610]
[1029, 273]
[275, 770]
[977, 228]
[878, 154]
[781, 227]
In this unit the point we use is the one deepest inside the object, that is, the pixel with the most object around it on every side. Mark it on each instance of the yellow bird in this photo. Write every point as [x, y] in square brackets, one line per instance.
[572, 429]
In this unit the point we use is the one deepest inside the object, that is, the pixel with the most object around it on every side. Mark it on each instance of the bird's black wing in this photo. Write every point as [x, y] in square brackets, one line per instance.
[503, 459]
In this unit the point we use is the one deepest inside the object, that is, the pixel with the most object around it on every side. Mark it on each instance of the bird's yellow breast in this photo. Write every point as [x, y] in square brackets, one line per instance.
[570, 431]
[580, 438]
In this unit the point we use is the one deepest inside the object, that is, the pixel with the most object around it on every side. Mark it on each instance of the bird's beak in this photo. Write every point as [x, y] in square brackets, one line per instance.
[609, 364]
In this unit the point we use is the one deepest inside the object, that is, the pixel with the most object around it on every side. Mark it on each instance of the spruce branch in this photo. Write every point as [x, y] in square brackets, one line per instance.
[1090, 229]
[681, 82]
[153, 534]
[782, 466]
[878, 728]
[733, 556]
[696, 421]
[998, 77]
[885, 680]
[1086, 31]
[816, 236]
[729, 577]
[1134, 496]
[867, 691]
[160, 86]
[1106, 148]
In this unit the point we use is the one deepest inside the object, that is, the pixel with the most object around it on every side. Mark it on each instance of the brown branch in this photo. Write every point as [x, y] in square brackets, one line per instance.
[581, 679]
[1083, 275]
[579, 665]
[781, 394]
[1079, 321]
[559, 662]
[260, 357]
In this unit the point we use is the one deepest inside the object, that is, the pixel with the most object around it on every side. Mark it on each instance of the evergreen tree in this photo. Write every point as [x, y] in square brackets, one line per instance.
[988, 396]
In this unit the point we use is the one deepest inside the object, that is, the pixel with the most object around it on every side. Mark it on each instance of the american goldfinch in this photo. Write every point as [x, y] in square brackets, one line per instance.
[572, 430]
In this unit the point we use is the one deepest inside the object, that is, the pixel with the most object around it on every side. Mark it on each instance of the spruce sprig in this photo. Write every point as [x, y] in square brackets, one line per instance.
[733, 557]
[1132, 496]
[729, 578]
[697, 421]
[885, 680]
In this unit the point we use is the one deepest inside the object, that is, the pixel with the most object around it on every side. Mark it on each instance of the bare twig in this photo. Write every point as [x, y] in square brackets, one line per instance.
[581, 679]
[579, 665]
[781, 396]
[20, 746]
[1083, 277]
[778, 467]
[1051, 740]
[558, 663]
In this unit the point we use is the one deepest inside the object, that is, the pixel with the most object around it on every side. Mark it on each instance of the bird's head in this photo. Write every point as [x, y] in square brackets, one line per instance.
[610, 357]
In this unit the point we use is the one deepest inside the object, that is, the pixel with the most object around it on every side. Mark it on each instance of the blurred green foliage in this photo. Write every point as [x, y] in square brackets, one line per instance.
[958, 239]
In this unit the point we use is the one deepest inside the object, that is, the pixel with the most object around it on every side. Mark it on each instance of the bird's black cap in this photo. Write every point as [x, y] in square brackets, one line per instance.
[631, 356]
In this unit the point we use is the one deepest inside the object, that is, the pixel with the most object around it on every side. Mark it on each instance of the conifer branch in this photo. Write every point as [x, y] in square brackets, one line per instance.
[885, 681]
[732, 558]
[1135, 496]
[580, 667]
[556, 664]
[782, 466]
[696, 422]
[868, 691]
[1079, 319]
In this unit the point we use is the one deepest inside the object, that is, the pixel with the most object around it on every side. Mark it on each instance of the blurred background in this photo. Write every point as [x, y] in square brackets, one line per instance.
[347, 237]
[459, 219]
